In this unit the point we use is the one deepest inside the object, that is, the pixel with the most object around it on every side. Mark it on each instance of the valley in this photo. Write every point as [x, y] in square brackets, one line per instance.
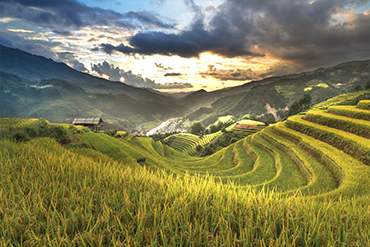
[188, 123]
[28, 89]
[315, 165]
[281, 161]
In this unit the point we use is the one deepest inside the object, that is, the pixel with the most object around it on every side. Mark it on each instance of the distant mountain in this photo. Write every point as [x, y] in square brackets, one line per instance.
[269, 99]
[33, 86]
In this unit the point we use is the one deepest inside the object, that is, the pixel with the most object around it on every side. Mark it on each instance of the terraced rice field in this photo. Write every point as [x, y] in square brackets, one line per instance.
[187, 143]
[299, 154]
[302, 182]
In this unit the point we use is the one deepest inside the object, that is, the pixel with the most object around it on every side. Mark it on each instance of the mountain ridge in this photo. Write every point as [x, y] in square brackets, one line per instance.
[123, 106]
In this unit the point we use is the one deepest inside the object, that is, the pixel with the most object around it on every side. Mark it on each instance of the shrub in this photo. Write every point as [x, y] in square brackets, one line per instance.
[232, 140]
[20, 136]
[197, 129]
[72, 129]
[367, 85]
[60, 134]
[301, 105]
[357, 88]
[111, 132]
[199, 148]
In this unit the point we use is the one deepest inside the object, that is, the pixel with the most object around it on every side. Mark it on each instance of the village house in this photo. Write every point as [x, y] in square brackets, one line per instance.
[92, 123]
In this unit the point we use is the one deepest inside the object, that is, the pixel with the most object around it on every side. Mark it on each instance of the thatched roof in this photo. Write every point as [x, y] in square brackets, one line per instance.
[92, 120]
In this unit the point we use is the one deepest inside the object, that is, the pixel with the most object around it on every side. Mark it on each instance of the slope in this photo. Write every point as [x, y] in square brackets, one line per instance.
[270, 98]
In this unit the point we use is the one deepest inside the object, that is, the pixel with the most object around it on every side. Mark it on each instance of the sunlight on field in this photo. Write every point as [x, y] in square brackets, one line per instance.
[309, 172]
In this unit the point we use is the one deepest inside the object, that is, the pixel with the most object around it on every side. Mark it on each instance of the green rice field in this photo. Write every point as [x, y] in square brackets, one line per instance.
[301, 182]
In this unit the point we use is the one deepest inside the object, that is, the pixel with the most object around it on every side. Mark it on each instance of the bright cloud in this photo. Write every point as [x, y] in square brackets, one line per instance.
[189, 44]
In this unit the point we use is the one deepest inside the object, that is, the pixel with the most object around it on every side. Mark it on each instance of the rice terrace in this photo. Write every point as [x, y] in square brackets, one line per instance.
[301, 182]
[185, 123]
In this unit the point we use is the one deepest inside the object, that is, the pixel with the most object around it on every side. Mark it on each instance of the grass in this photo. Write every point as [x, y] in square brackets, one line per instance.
[12, 124]
[355, 126]
[343, 99]
[364, 104]
[277, 187]
[350, 111]
[70, 200]
[104, 144]
[351, 144]
[351, 174]
[288, 176]
[319, 177]
[187, 143]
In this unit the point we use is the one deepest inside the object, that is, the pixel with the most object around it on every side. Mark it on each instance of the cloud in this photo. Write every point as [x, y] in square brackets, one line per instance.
[225, 75]
[158, 2]
[64, 14]
[173, 74]
[117, 74]
[33, 43]
[149, 18]
[70, 59]
[311, 33]
[6, 42]
[160, 66]
[63, 32]
[174, 85]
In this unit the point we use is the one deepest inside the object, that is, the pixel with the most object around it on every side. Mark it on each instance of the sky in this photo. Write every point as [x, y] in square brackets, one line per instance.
[187, 45]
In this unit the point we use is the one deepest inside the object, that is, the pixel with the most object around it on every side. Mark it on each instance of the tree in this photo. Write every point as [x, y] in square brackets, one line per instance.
[367, 85]
[305, 101]
[197, 128]
[301, 105]
[294, 108]
[358, 88]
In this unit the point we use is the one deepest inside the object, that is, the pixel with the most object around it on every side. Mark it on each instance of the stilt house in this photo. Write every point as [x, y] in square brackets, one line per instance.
[92, 123]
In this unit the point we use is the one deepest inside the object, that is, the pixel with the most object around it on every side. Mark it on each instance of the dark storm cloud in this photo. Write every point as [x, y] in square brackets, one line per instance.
[115, 74]
[63, 32]
[72, 14]
[312, 33]
[222, 39]
[309, 34]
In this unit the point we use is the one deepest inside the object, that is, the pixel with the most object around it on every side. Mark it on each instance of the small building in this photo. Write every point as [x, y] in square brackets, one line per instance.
[92, 123]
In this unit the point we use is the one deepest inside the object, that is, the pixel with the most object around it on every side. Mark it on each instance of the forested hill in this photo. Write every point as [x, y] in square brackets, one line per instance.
[269, 99]
[34, 86]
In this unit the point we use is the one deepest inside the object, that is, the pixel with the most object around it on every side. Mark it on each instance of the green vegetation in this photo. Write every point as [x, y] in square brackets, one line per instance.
[342, 99]
[350, 111]
[302, 182]
[301, 105]
[220, 124]
[355, 126]
[197, 129]
[188, 143]
[364, 104]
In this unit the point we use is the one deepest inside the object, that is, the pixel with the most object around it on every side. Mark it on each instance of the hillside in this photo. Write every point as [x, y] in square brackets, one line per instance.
[310, 172]
[270, 98]
[33, 86]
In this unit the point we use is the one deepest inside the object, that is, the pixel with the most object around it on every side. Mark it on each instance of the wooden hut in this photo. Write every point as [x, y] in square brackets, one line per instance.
[92, 123]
